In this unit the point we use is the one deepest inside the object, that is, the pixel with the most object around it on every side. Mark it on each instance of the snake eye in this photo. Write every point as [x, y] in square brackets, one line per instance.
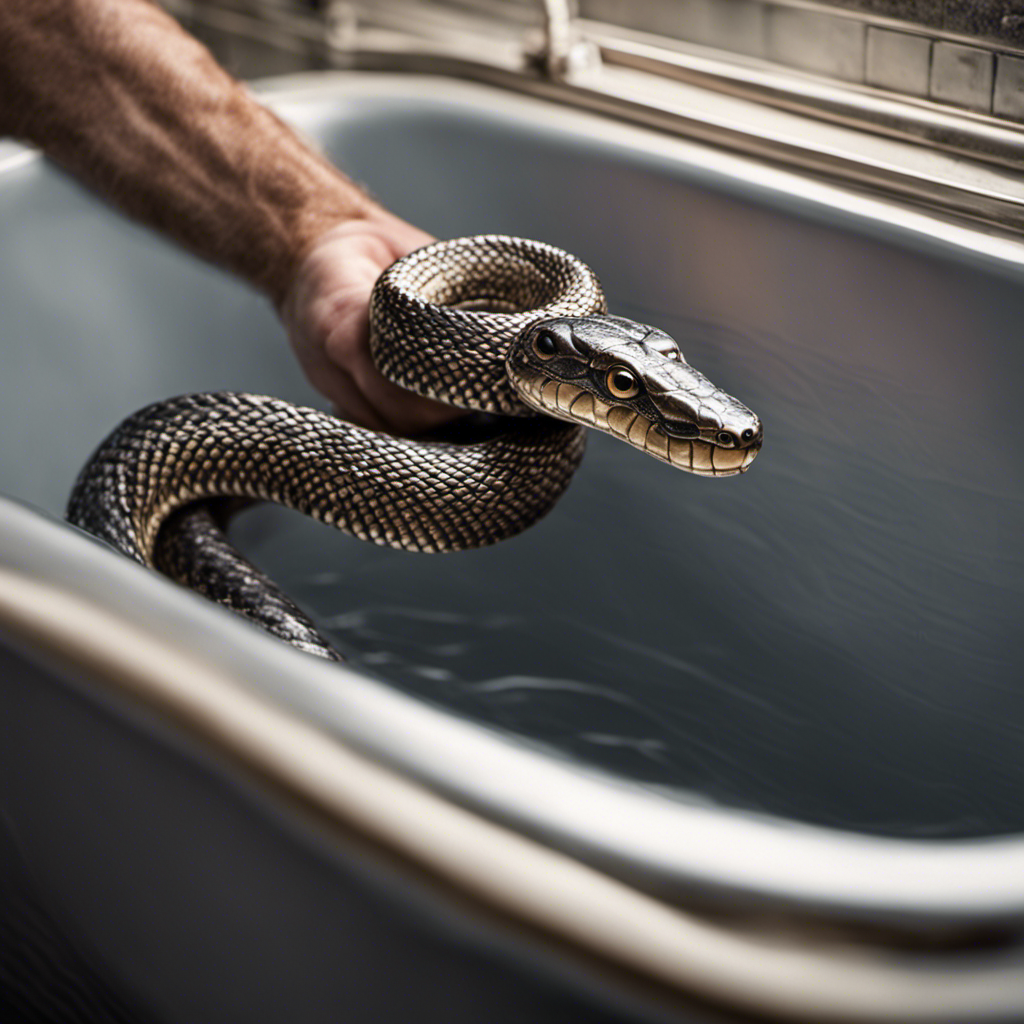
[725, 438]
[622, 383]
[747, 434]
[545, 345]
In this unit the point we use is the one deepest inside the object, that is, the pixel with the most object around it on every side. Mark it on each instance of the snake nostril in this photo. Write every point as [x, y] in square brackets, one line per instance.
[748, 434]
[724, 437]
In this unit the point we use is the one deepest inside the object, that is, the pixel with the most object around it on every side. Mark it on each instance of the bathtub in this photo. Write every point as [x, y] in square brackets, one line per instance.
[791, 695]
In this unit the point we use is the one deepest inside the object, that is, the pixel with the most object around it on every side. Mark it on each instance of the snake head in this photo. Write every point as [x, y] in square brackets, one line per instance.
[631, 380]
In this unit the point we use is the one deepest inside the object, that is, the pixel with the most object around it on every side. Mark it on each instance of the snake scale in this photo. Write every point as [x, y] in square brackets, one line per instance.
[491, 323]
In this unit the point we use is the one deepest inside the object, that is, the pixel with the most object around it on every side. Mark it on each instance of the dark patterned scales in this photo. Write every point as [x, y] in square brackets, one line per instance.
[413, 495]
[496, 324]
[443, 318]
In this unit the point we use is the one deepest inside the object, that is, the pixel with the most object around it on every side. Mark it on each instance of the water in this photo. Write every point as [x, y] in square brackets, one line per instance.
[831, 637]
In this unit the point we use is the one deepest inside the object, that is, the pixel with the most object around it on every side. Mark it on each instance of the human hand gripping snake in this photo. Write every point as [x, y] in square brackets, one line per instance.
[490, 323]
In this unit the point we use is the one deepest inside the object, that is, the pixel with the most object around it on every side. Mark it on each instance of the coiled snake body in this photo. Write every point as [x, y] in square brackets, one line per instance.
[490, 323]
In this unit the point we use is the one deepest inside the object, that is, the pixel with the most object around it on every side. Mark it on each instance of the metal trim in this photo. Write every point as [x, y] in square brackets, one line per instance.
[948, 185]
[910, 118]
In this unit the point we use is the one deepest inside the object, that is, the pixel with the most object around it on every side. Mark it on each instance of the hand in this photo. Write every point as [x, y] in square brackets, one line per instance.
[325, 311]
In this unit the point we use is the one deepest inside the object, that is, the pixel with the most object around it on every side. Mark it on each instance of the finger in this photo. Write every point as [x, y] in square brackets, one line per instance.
[404, 411]
[347, 400]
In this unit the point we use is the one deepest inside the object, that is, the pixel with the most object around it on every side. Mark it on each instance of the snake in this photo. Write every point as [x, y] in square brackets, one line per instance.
[513, 330]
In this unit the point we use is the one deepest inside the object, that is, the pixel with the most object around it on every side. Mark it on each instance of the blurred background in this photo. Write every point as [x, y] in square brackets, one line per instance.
[963, 53]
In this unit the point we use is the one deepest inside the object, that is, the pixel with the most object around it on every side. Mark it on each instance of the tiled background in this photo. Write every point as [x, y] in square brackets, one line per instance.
[960, 52]
[967, 54]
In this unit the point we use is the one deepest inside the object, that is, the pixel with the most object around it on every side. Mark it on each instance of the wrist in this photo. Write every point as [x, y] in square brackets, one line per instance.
[329, 212]
[371, 235]
[325, 307]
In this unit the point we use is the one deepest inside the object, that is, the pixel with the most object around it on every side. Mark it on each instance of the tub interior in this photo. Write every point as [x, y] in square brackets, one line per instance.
[830, 638]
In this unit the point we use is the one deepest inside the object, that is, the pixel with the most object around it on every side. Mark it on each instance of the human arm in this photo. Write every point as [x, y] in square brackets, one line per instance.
[118, 94]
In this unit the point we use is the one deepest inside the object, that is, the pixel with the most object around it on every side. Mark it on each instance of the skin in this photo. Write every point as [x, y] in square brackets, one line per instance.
[121, 97]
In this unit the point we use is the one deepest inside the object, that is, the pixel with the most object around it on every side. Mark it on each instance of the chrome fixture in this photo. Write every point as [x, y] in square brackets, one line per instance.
[566, 55]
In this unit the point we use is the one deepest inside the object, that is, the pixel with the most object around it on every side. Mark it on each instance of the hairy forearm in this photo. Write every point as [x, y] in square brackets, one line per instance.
[117, 93]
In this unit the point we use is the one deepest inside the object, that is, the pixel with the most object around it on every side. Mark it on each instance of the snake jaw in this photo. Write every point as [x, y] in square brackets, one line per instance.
[568, 367]
[567, 401]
